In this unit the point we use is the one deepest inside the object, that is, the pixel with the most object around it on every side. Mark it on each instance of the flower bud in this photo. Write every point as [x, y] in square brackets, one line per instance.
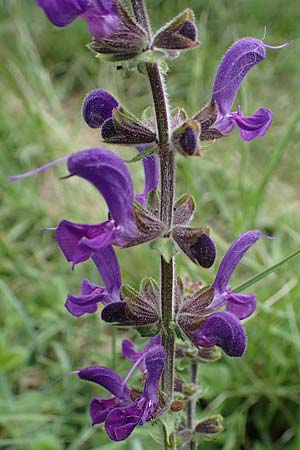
[204, 251]
[97, 107]
[177, 405]
[211, 426]
[186, 138]
[196, 244]
[179, 34]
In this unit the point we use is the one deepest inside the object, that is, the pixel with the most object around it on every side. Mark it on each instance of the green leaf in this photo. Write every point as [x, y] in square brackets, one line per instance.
[141, 155]
[265, 272]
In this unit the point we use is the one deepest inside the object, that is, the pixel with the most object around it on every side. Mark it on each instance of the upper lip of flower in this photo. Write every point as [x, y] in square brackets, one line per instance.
[242, 56]
[101, 17]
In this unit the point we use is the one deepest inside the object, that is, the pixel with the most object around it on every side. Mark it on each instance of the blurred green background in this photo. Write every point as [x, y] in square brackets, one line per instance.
[45, 73]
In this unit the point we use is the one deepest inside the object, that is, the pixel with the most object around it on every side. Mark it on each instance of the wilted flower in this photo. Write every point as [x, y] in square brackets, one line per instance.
[122, 413]
[101, 15]
[199, 316]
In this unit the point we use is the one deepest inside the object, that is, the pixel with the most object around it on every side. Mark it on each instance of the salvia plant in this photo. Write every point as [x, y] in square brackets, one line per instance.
[187, 321]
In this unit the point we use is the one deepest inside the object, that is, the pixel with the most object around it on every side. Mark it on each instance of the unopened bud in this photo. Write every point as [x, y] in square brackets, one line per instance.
[196, 244]
[178, 34]
[186, 138]
[97, 107]
[177, 405]
[204, 251]
[211, 426]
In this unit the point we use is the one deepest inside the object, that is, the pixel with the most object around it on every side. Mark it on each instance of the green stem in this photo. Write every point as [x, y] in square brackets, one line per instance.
[167, 189]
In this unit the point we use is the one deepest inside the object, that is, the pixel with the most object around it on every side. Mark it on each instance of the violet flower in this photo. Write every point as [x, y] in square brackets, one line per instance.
[101, 15]
[122, 413]
[97, 109]
[224, 328]
[91, 294]
[109, 174]
[236, 63]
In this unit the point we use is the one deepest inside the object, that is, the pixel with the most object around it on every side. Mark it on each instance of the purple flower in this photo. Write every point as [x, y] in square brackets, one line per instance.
[91, 294]
[97, 110]
[101, 15]
[224, 328]
[122, 413]
[236, 63]
[108, 173]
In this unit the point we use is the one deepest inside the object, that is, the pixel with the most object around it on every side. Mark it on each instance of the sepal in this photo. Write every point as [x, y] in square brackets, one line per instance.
[184, 209]
[200, 354]
[150, 226]
[206, 117]
[145, 304]
[125, 43]
[195, 308]
[124, 128]
[179, 34]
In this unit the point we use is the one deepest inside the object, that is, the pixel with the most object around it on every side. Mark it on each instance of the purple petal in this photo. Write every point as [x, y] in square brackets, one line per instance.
[108, 265]
[241, 305]
[151, 171]
[204, 251]
[231, 259]
[106, 378]
[121, 422]
[154, 362]
[63, 12]
[130, 352]
[102, 18]
[98, 106]
[254, 126]
[78, 241]
[222, 329]
[236, 63]
[87, 302]
[101, 407]
[109, 174]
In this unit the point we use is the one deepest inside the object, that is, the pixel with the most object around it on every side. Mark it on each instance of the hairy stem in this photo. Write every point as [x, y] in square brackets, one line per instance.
[167, 189]
[191, 406]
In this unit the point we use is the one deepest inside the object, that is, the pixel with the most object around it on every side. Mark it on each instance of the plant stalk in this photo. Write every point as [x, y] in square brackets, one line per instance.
[167, 189]
[191, 405]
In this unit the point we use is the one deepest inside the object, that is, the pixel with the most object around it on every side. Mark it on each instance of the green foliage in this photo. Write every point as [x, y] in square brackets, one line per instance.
[237, 186]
